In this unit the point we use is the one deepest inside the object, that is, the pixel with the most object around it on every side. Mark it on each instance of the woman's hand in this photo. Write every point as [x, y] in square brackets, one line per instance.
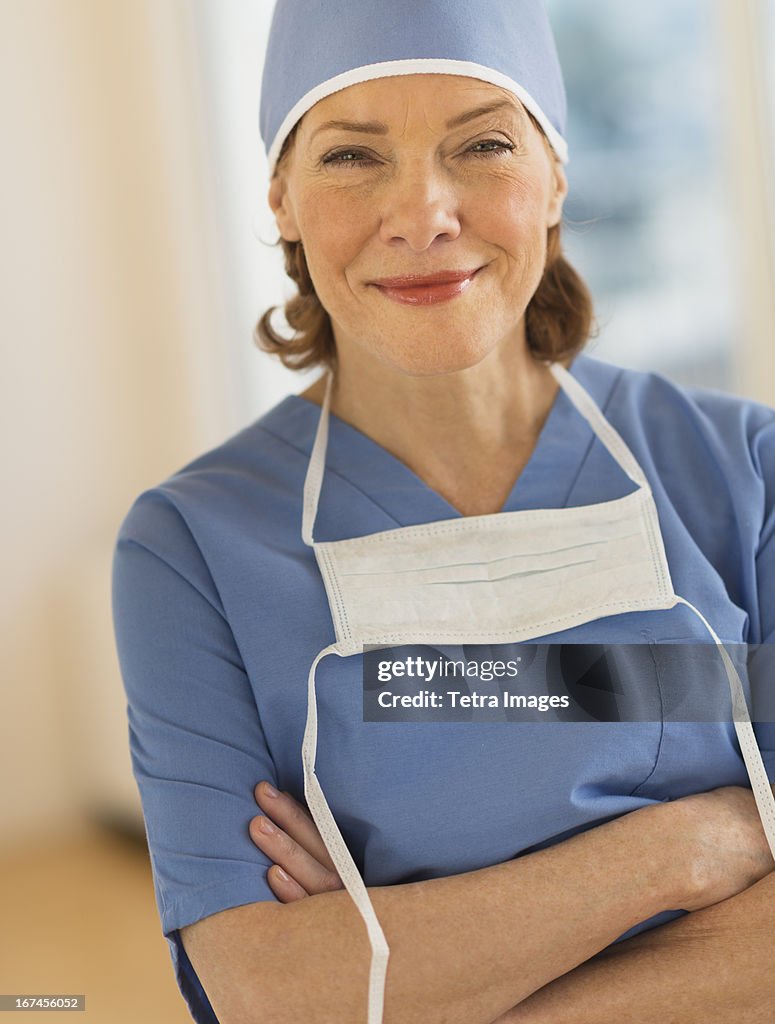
[718, 835]
[302, 866]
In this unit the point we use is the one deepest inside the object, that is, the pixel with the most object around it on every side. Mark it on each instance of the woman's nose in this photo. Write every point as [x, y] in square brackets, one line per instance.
[420, 206]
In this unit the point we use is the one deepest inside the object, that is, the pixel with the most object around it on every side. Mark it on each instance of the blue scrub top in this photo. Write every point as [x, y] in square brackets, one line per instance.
[219, 610]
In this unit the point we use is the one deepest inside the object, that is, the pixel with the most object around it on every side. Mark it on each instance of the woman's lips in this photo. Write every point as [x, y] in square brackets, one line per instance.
[426, 294]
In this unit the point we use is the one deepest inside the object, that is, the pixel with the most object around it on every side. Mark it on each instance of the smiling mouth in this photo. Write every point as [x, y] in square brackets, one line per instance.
[428, 290]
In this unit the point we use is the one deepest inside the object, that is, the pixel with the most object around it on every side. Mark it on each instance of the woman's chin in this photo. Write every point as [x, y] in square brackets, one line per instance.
[428, 360]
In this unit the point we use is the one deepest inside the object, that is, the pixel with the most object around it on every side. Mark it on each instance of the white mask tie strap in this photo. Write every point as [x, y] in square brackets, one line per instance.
[317, 464]
[760, 784]
[337, 848]
[600, 425]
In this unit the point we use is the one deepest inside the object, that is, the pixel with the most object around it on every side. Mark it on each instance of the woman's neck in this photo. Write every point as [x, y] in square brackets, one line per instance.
[466, 434]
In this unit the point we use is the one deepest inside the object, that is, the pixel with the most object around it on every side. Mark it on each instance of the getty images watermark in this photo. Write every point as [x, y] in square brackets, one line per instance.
[530, 682]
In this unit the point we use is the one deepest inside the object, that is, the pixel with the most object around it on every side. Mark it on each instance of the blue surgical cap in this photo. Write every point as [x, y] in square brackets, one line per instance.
[317, 47]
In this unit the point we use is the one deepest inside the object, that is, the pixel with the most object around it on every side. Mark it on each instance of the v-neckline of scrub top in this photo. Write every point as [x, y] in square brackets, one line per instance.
[546, 480]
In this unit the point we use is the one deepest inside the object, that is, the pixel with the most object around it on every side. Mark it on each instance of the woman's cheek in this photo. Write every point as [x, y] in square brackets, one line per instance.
[508, 221]
[356, 197]
[335, 228]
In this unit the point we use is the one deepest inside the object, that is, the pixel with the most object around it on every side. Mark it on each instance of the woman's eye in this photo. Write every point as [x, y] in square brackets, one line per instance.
[347, 158]
[357, 158]
[502, 147]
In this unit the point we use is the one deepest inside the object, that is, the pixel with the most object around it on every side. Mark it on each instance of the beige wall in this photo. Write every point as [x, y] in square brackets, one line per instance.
[115, 368]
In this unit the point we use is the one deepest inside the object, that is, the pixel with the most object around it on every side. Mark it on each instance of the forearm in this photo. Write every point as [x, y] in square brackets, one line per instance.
[467, 947]
[712, 965]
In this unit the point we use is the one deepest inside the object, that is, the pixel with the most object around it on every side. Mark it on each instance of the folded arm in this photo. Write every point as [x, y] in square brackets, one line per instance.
[464, 948]
[712, 965]
[460, 945]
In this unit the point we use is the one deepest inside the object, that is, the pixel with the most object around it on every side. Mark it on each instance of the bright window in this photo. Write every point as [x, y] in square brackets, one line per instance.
[648, 218]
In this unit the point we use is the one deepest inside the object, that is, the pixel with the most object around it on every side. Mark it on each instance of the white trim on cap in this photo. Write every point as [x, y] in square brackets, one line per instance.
[416, 66]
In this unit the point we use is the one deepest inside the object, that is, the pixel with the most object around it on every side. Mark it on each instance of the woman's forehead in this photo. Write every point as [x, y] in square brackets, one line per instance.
[437, 93]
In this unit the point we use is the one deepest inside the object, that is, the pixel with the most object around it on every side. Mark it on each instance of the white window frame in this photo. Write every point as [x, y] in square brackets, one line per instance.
[749, 158]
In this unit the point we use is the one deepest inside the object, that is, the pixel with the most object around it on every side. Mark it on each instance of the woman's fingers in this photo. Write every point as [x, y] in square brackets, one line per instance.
[292, 848]
[295, 820]
[285, 888]
[309, 873]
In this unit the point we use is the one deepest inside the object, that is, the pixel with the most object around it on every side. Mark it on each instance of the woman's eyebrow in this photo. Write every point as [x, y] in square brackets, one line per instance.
[487, 108]
[380, 128]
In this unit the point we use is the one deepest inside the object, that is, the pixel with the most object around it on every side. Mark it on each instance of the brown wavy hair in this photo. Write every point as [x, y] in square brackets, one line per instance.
[559, 319]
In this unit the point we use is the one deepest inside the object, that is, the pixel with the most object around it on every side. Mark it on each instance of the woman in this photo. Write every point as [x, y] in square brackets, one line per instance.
[446, 473]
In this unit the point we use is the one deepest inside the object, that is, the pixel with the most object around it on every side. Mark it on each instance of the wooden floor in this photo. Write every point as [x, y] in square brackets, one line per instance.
[79, 916]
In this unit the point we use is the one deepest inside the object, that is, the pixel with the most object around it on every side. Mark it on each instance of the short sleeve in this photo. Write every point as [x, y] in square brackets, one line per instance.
[197, 746]
[763, 630]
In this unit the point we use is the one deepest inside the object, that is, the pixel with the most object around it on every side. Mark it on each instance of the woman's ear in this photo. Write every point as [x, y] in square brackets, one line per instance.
[559, 192]
[279, 201]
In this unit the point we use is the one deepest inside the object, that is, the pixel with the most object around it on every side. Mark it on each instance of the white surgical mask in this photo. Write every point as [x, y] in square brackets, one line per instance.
[493, 579]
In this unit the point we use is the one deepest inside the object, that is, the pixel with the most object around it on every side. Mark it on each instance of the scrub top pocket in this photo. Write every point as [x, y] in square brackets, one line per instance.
[699, 749]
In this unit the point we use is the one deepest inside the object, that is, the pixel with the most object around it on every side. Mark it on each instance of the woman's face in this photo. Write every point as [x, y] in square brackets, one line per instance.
[410, 192]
